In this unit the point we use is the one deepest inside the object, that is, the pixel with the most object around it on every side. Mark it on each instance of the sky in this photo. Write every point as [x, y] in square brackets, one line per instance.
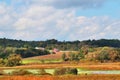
[60, 19]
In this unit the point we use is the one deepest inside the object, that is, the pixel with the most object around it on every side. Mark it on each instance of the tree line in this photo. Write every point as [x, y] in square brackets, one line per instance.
[62, 45]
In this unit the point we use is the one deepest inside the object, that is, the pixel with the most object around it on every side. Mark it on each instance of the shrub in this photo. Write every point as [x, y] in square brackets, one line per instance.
[81, 55]
[76, 57]
[2, 73]
[103, 56]
[72, 56]
[61, 71]
[21, 72]
[13, 60]
[108, 54]
[2, 62]
[43, 72]
[72, 71]
[64, 71]
[63, 56]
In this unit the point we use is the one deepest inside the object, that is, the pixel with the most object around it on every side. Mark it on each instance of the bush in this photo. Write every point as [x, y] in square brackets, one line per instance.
[76, 56]
[64, 71]
[103, 56]
[2, 62]
[43, 72]
[63, 56]
[61, 71]
[13, 60]
[72, 71]
[80, 55]
[21, 72]
[2, 73]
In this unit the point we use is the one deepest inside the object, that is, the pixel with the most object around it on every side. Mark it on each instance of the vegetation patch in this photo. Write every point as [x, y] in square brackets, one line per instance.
[21, 72]
[64, 71]
[36, 61]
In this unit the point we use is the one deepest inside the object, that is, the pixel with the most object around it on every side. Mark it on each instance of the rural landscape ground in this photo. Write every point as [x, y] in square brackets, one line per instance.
[87, 70]
[56, 60]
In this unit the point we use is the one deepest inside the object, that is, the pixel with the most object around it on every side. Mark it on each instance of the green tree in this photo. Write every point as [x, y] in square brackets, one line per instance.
[63, 56]
[2, 62]
[81, 55]
[13, 60]
[103, 56]
[72, 56]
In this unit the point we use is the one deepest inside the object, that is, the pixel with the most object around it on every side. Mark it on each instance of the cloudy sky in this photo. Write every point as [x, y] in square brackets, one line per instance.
[60, 19]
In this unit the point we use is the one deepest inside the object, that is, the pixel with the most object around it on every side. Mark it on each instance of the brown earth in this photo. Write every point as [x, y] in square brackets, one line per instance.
[66, 77]
[50, 56]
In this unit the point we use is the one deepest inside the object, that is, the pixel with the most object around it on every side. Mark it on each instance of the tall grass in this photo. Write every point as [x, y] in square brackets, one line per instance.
[66, 77]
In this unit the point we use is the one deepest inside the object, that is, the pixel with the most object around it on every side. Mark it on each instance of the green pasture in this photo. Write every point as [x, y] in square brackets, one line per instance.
[29, 61]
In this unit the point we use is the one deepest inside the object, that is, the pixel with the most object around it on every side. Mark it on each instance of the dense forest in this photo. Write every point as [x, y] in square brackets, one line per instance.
[62, 45]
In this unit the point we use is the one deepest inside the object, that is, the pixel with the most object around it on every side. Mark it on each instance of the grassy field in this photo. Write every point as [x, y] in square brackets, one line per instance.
[66, 77]
[37, 61]
[106, 71]
[89, 66]
[51, 71]
[85, 71]
[51, 58]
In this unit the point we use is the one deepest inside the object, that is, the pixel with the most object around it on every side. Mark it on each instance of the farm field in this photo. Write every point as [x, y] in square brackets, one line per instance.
[50, 56]
[89, 66]
[87, 70]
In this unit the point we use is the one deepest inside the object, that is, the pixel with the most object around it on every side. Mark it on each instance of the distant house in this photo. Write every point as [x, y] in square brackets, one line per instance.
[55, 50]
[40, 48]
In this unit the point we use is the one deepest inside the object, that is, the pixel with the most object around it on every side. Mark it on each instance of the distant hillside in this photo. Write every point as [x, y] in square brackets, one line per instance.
[62, 45]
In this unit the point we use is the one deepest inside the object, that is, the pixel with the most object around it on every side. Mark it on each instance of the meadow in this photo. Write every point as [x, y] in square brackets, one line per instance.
[86, 71]
[44, 67]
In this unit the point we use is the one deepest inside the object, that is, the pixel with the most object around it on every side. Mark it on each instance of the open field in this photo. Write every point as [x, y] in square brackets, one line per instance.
[49, 56]
[37, 61]
[66, 77]
[88, 66]
[52, 71]
[87, 70]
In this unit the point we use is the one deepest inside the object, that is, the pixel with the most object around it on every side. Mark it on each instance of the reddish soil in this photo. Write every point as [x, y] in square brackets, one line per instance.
[50, 56]
[66, 77]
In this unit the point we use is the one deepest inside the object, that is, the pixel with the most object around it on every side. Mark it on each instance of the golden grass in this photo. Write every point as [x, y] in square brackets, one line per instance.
[26, 78]
[66, 77]
[88, 77]
[49, 56]
[90, 66]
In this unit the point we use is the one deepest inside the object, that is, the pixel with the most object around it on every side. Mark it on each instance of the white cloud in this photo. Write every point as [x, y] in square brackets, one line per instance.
[2, 9]
[41, 22]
